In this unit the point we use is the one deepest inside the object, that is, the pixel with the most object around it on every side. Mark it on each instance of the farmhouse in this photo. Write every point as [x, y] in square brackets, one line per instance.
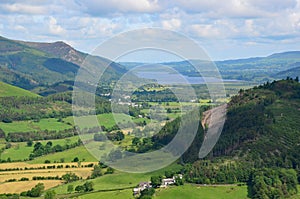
[169, 181]
[141, 187]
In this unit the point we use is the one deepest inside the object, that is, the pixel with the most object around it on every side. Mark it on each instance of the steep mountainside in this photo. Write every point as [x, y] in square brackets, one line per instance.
[28, 64]
[262, 128]
[263, 125]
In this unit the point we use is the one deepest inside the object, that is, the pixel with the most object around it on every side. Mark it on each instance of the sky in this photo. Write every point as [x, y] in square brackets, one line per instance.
[224, 29]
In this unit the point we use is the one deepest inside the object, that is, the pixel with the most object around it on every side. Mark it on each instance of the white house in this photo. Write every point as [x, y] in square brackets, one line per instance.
[141, 187]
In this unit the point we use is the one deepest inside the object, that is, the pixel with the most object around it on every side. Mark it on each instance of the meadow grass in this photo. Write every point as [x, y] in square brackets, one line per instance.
[119, 180]
[121, 194]
[107, 119]
[50, 124]
[187, 191]
[195, 192]
[7, 90]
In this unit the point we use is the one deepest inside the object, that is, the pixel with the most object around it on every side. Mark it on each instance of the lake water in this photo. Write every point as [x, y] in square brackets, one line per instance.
[166, 78]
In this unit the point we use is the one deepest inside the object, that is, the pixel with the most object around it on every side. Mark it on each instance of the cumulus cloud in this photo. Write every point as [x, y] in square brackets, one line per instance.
[54, 28]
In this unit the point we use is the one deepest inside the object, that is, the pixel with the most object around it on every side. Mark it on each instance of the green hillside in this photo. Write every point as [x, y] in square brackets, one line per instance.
[7, 90]
[262, 126]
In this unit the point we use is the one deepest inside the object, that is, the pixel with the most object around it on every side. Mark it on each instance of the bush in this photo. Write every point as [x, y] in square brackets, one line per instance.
[79, 188]
[70, 177]
[50, 194]
[35, 191]
[7, 120]
[70, 188]
[76, 159]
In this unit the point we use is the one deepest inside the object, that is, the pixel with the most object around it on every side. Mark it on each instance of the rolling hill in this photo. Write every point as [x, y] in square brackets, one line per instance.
[293, 72]
[7, 90]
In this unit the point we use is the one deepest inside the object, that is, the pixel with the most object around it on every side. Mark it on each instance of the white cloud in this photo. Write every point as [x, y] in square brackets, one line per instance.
[54, 28]
[104, 7]
[205, 30]
[23, 8]
[172, 24]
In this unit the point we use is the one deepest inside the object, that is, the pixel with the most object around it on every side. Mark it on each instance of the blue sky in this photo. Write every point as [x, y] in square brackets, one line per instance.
[225, 29]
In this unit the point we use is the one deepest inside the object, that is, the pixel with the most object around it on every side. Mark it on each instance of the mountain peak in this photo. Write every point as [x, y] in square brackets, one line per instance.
[59, 49]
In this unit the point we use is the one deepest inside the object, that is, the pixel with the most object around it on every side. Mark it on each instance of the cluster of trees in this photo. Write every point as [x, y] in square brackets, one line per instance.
[97, 172]
[70, 177]
[165, 95]
[39, 149]
[206, 172]
[35, 191]
[41, 135]
[86, 187]
[147, 193]
[270, 183]
[33, 108]
[263, 183]
[116, 136]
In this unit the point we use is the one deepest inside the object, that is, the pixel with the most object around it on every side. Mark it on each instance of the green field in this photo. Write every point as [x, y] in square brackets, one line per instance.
[183, 192]
[50, 124]
[122, 194]
[108, 120]
[118, 180]
[20, 150]
[209, 192]
[68, 155]
[7, 90]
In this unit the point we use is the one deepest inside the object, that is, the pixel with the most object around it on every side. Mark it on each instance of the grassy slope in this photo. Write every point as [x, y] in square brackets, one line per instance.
[107, 119]
[194, 192]
[118, 180]
[51, 124]
[7, 90]
[186, 191]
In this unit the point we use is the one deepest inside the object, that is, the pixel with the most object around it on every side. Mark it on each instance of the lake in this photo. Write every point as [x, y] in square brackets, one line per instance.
[166, 78]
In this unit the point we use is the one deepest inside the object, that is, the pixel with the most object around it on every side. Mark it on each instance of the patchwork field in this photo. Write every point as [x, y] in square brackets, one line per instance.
[18, 187]
[29, 171]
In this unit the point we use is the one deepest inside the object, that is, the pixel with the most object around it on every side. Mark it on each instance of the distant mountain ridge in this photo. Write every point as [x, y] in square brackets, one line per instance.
[293, 72]
[255, 69]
